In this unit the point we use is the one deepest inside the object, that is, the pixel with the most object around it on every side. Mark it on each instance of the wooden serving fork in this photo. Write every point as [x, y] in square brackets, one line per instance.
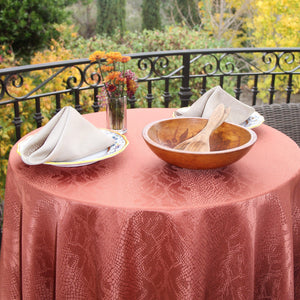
[200, 142]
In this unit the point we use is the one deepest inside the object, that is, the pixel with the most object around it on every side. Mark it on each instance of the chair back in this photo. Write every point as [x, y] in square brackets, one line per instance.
[284, 117]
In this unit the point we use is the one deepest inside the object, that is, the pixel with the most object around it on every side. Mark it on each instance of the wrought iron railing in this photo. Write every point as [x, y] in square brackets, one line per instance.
[191, 72]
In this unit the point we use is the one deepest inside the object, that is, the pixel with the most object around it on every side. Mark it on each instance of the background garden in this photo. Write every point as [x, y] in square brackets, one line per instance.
[40, 31]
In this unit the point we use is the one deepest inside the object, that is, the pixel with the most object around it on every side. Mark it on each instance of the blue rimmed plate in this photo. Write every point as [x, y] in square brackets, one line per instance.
[120, 144]
[253, 121]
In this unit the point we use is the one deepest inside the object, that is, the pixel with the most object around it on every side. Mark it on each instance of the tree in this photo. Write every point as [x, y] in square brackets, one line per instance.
[274, 23]
[84, 16]
[186, 11]
[151, 14]
[111, 16]
[225, 19]
[27, 25]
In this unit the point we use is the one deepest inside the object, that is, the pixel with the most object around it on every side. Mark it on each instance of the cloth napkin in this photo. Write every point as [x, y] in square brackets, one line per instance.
[205, 105]
[66, 137]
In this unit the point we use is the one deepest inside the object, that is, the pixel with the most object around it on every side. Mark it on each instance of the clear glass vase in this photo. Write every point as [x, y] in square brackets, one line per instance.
[116, 114]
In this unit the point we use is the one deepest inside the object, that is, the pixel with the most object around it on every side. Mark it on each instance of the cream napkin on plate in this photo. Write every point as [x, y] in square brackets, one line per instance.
[66, 137]
[205, 105]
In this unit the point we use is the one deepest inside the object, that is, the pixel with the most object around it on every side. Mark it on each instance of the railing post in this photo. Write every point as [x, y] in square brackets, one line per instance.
[149, 96]
[238, 90]
[221, 81]
[185, 92]
[203, 89]
[38, 115]
[254, 90]
[57, 103]
[132, 101]
[289, 89]
[77, 102]
[166, 94]
[272, 89]
[96, 105]
[17, 120]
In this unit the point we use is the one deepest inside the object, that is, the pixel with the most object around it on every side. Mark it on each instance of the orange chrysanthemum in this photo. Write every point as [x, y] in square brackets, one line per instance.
[120, 79]
[115, 82]
[107, 68]
[96, 56]
[125, 59]
[112, 57]
[112, 76]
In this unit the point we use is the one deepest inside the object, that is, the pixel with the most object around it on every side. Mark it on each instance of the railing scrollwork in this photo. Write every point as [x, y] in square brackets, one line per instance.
[184, 69]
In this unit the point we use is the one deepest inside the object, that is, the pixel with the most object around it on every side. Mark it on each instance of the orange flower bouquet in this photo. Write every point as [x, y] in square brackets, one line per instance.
[117, 84]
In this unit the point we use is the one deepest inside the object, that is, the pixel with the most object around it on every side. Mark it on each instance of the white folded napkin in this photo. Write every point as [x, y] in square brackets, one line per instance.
[205, 105]
[66, 137]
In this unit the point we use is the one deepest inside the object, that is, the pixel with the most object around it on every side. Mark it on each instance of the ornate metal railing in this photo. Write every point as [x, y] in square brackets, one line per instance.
[190, 72]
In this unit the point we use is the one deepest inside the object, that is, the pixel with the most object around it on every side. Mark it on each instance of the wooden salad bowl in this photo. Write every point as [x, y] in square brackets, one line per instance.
[228, 142]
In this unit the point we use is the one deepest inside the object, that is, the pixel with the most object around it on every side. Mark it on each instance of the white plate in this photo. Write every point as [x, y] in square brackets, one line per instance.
[253, 121]
[120, 144]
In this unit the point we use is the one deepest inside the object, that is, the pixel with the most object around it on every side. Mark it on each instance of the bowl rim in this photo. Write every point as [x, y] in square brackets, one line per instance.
[252, 140]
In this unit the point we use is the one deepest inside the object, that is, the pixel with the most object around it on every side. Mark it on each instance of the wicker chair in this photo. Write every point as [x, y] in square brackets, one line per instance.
[284, 117]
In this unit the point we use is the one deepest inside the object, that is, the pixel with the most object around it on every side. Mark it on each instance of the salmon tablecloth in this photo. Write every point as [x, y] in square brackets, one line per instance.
[134, 227]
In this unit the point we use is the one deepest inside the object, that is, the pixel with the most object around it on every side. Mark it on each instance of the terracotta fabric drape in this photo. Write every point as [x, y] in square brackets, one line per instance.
[134, 227]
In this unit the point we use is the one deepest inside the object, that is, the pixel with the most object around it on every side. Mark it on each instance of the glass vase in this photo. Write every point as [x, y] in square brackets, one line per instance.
[116, 114]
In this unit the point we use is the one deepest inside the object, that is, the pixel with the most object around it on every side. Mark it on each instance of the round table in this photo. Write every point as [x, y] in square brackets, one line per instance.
[134, 227]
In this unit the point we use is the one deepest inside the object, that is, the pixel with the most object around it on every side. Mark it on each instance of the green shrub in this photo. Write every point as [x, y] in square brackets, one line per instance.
[28, 25]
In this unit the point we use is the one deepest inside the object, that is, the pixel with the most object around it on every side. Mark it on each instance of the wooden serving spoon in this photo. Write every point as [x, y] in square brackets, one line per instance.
[225, 116]
[200, 142]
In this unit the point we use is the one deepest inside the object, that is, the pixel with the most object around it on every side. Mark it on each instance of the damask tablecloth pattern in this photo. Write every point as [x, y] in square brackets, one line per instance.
[134, 227]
